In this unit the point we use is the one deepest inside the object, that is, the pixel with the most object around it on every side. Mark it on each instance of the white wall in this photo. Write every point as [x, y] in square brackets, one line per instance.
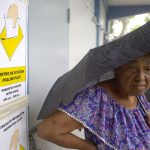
[48, 49]
[102, 22]
[82, 30]
[48, 53]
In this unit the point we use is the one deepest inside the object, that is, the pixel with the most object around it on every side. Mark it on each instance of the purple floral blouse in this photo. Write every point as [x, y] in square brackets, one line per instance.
[110, 125]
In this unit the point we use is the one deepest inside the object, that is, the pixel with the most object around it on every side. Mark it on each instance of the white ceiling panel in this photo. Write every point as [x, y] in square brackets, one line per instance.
[128, 2]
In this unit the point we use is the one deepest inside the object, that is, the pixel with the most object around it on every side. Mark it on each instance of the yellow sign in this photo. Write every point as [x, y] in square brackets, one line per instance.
[10, 44]
[15, 141]
[21, 147]
[13, 75]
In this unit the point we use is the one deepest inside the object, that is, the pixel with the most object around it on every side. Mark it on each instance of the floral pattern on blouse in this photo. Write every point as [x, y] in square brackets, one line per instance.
[110, 125]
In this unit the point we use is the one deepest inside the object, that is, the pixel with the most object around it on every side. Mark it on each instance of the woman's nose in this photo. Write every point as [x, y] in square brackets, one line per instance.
[140, 75]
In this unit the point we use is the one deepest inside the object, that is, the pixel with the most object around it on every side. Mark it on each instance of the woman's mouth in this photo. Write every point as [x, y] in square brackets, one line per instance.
[139, 86]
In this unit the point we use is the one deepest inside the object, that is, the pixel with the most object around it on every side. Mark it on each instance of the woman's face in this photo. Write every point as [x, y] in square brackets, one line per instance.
[134, 78]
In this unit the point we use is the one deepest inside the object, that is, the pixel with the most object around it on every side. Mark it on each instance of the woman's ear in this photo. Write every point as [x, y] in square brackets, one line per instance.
[116, 72]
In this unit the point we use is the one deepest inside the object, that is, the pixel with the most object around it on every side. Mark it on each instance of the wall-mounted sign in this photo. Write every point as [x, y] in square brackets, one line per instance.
[13, 50]
[14, 130]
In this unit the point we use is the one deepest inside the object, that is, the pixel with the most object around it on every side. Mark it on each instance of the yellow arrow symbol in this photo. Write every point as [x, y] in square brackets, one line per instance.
[10, 44]
[21, 147]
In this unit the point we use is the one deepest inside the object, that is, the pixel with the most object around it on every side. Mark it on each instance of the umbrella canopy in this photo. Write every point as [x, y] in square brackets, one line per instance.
[94, 67]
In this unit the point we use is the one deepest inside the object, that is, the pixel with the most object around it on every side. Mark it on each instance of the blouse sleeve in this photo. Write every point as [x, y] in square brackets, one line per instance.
[84, 107]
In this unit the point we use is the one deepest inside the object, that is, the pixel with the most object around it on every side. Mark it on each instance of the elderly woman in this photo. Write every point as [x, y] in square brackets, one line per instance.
[114, 112]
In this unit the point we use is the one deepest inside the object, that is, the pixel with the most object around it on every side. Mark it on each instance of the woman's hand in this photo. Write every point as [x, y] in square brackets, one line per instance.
[90, 146]
[94, 148]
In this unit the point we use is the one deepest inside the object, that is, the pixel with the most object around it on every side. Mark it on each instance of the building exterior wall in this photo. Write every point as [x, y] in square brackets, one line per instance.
[48, 54]
[102, 23]
[82, 29]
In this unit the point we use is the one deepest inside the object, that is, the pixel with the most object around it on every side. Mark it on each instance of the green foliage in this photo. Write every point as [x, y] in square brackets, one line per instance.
[127, 20]
[147, 18]
[111, 26]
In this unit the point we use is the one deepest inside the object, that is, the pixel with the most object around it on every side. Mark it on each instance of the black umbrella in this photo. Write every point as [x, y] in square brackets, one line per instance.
[95, 66]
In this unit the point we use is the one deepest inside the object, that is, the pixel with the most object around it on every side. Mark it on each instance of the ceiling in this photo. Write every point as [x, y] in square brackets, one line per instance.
[128, 2]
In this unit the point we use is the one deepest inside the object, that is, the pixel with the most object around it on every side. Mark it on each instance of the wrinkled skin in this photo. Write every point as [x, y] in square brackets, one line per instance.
[134, 78]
